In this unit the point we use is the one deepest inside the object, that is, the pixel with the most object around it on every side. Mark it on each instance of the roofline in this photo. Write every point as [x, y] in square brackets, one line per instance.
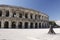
[3, 5]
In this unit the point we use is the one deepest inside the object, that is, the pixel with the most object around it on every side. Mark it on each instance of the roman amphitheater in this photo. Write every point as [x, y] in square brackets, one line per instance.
[20, 17]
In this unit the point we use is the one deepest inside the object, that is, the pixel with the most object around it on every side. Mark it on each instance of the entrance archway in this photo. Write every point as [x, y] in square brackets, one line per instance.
[0, 24]
[31, 25]
[0, 13]
[7, 13]
[36, 25]
[39, 25]
[13, 25]
[6, 24]
[26, 24]
[20, 25]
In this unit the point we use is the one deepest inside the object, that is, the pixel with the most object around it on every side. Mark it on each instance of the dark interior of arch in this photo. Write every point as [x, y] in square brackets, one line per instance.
[20, 25]
[6, 24]
[13, 25]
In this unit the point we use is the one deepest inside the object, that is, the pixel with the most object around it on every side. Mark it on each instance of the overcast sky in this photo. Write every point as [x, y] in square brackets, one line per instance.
[50, 7]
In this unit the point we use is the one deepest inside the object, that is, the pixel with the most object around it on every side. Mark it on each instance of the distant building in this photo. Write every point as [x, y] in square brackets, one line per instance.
[19, 17]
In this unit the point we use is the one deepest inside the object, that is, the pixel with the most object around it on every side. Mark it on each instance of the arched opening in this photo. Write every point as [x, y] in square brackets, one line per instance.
[7, 13]
[0, 24]
[31, 16]
[39, 25]
[26, 24]
[42, 25]
[20, 25]
[0, 13]
[31, 25]
[35, 16]
[20, 15]
[35, 25]
[39, 16]
[45, 25]
[14, 14]
[6, 24]
[13, 25]
[26, 15]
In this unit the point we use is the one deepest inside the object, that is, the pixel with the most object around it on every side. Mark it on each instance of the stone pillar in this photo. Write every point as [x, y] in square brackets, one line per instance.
[17, 24]
[10, 13]
[41, 25]
[41, 18]
[33, 16]
[23, 25]
[2, 24]
[44, 25]
[29, 16]
[29, 25]
[17, 14]
[37, 17]
[3, 13]
[38, 25]
[34, 25]
[23, 14]
[10, 24]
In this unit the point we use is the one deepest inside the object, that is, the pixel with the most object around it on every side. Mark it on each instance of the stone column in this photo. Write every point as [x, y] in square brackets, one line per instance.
[10, 13]
[29, 25]
[2, 24]
[41, 24]
[10, 24]
[17, 24]
[44, 25]
[17, 14]
[34, 25]
[3, 13]
[33, 16]
[41, 17]
[23, 14]
[38, 25]
[23, 25]
[29, 16]
[37, 17]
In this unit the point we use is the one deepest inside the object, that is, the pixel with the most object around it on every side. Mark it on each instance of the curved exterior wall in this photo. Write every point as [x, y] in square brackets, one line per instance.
[19, 17]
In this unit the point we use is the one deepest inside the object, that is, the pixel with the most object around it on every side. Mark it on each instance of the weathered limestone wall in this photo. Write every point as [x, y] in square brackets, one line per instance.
[43, 19]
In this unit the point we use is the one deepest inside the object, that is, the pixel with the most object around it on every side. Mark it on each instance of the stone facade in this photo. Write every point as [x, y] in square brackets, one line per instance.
[19, 17]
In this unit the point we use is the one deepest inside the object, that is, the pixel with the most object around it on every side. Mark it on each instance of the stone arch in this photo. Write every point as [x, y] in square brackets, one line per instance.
[26, 24]
[31, 25]
[7, 13]
[6, 24]
[36, 25]
[45, 25]
[20, 25]
[39, 25]
[0, 24]
[42, 25]
[0, 13]
[14, 14]
[13, 25]
[20, 15]
[26, 15]
[31, 16]
[35, 16]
